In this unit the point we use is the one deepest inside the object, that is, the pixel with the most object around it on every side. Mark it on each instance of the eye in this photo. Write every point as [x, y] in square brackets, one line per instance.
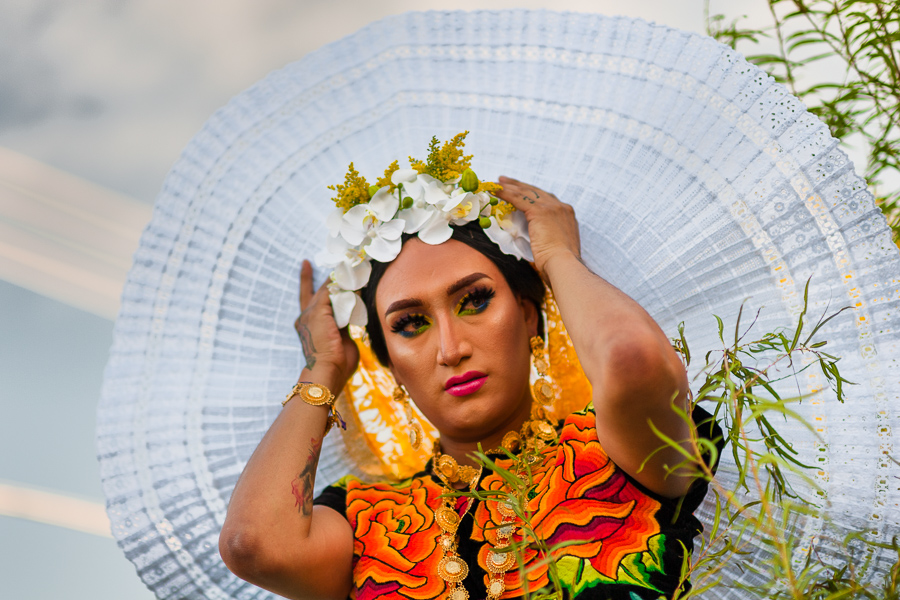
[411, 325]
[475, 301]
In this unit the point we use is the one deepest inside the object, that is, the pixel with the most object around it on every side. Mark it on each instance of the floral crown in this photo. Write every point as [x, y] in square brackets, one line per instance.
[426, 200]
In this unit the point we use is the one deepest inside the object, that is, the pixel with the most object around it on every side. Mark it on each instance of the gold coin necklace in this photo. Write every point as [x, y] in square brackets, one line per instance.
[452, 568]
[536, 434]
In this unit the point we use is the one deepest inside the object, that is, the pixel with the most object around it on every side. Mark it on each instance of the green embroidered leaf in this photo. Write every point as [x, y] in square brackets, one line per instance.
[577, 574]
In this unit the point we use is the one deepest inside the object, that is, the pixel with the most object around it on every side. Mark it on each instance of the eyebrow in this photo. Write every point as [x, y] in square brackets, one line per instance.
[452, 289]
[467, 280]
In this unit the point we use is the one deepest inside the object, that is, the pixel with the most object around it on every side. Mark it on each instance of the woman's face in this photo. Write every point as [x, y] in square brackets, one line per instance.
[457, 338]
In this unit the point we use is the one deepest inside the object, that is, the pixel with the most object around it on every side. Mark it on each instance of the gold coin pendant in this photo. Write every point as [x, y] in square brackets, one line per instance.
[459, 594]
[447, 519]
[448, 467]
[542, 391]
[505, 508]
[453, 569]
[505, 531]
[499, 562]
[511, 441]
[467, 473]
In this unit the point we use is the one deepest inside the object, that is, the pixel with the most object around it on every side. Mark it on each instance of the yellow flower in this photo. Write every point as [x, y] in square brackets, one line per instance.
[488, 186]
[444, 162]
[502, 210]
[355, 190]
[385, 179]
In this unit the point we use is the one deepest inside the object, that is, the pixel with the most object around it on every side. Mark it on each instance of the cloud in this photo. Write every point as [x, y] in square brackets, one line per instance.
[112, 90]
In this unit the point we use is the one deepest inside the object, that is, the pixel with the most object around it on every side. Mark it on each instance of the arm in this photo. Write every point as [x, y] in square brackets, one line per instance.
[636, 376]
[273, 536]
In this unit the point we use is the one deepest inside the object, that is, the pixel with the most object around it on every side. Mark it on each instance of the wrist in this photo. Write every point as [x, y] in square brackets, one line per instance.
[318, 394]
[559, 261]
[326, 375]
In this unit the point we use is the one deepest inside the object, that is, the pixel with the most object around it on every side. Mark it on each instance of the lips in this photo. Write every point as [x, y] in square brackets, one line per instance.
[465, 384]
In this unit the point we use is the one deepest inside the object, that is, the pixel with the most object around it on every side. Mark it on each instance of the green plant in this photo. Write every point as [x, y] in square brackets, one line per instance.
[859, 97]
[755, 510]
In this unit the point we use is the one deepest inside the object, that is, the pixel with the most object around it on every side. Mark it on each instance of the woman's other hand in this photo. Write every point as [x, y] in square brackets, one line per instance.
[325, 348]
[637, 377]
[552, 225]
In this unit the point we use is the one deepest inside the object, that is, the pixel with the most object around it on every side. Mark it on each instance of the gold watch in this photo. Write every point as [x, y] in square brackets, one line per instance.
[311, 393]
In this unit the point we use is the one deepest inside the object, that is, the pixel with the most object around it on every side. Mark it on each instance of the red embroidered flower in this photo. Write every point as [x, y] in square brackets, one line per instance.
[395, 539]
[581, 498]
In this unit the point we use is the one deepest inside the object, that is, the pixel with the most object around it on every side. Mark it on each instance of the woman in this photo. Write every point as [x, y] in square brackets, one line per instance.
[456, 334]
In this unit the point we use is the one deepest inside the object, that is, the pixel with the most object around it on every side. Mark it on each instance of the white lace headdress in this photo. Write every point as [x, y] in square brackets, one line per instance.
[698, 182]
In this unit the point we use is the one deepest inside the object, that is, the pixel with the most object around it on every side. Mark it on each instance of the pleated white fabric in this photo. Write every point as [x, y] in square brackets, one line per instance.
[698, 181]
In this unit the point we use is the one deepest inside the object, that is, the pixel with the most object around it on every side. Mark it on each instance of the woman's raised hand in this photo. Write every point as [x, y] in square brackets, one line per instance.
[326, 348]
[552, 225]
[273, 535]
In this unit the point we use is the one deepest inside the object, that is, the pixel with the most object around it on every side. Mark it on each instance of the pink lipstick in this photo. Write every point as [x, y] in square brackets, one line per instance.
[465, 384]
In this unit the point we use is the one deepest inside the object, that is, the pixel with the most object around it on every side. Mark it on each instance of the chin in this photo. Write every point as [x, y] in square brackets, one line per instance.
[475, 419]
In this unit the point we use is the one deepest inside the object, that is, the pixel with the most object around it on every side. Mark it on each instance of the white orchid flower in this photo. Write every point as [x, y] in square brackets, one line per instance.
[362, 218]
[437, 229]
[457, 209]
[350, 267]
[404, 176]
[333, 221]
[510, 233]
[435, 194]
[373, 228]
[418, 214]
[386, 243]
[348, 307]
[463, 207]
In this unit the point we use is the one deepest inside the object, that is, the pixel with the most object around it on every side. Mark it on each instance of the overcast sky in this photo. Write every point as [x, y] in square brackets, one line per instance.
[112, 90]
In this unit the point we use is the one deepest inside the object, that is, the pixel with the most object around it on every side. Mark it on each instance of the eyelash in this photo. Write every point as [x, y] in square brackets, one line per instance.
[421, 322]
[479, 299]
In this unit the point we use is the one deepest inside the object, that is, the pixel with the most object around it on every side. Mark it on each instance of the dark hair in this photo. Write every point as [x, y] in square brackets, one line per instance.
[521, 277]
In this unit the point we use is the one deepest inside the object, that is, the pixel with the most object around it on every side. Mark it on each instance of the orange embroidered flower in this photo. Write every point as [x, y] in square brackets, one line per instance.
[580, 498]
[395, 539]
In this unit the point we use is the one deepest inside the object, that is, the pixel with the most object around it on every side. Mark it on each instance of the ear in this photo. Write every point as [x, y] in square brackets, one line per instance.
[532, 315]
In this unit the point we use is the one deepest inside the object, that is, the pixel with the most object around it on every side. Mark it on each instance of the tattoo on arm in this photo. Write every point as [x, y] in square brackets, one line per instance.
[302, 486]
[309, 348]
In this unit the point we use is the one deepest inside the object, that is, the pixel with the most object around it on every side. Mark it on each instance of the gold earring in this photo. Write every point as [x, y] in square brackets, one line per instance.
[415, 429]
[542, 430]
[543, 392]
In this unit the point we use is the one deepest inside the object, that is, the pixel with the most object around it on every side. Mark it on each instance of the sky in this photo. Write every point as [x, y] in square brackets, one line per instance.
[97, 99]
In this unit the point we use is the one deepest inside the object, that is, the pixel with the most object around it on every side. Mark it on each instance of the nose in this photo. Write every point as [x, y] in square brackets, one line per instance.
[454, 343]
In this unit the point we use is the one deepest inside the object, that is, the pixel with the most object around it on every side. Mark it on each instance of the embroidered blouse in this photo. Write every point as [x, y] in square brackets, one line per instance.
[622, 541]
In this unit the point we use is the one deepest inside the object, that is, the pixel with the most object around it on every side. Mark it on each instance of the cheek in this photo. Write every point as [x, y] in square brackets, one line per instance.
[409, 362]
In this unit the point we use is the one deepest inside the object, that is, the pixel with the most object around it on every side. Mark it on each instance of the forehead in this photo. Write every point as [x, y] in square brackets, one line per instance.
[422, 270]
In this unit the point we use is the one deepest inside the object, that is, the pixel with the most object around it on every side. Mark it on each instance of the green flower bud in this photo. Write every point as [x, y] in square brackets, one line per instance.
[469, 181]
[406, 202]
[373, 189]
[485, 222]
[495, 201]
